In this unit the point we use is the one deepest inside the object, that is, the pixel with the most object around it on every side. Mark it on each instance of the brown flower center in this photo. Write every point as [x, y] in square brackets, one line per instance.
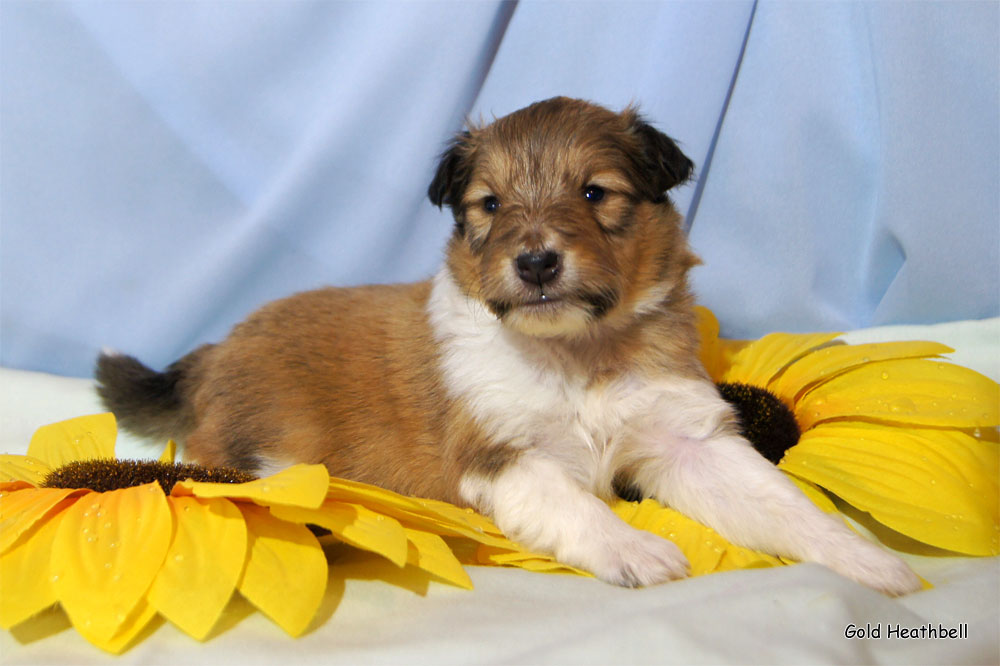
[103, 475]
[764, 419]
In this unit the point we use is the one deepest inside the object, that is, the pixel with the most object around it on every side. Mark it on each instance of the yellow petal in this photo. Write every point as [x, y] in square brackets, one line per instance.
[23, 468]
[286, 570]
[21, 509]
[299, 485]
[169, 454]
[106, 553]
[815, 495]
[913, 391]
[935, 486]
[430, 553]
[425, 514]
[702, 546]
[353, 524]
[203, 564]
[129, 630]
[708, 335]
[705, 549]
[523, 559]
[716, 353]
[24, 571]
[82, 438]
[824, 364]
[760, 361]
[737, 557]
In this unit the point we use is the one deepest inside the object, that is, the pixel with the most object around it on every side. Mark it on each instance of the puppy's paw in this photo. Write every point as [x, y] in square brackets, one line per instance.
[873, 566]
[633, 558]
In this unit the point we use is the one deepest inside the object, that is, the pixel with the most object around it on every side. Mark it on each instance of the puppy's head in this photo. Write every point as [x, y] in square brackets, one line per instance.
[562, 223]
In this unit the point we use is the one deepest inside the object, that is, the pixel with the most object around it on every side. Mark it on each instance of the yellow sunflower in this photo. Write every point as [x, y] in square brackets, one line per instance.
[116, 542]
[889, 428]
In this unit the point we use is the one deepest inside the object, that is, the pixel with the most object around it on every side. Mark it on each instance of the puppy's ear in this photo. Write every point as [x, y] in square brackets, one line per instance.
[663, 164]
[452, 174]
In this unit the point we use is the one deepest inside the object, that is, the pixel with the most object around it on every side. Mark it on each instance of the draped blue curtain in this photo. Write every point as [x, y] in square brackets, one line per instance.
[165, 168]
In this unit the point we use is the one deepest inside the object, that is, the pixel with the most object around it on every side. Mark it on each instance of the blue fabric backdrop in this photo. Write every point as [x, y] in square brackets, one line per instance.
[167, 167]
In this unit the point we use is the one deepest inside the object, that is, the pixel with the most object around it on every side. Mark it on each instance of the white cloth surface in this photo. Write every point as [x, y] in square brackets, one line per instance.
[168, 167]
[788, 615]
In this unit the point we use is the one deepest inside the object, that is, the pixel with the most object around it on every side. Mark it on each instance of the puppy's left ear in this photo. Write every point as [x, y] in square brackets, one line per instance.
[663, 163]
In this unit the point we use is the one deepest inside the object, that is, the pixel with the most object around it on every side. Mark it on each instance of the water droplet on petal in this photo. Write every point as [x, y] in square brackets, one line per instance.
[885, 375]
[178, 558]
[902, 406]
[265, 488]
[55, 577]
[107, 565]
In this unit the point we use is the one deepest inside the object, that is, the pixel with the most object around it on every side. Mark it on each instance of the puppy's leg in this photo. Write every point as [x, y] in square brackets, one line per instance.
[537, 503]
[718, 479]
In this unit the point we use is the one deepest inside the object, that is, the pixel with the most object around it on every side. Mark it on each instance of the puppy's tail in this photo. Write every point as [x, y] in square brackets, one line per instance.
[146, 402]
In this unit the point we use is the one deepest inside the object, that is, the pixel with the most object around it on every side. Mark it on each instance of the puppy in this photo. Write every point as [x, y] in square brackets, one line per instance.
[551, 358]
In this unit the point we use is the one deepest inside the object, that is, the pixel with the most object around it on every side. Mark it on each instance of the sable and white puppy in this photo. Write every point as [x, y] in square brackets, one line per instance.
[553, 356]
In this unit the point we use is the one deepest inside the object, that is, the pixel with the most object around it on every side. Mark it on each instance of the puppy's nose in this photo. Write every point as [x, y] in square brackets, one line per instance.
[538, 267]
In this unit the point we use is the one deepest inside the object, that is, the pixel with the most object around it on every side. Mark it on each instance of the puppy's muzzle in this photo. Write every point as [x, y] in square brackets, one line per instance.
[538, 268]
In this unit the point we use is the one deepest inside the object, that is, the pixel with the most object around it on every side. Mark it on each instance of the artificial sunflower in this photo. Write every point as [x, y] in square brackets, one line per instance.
[889, 428]
[115, 542]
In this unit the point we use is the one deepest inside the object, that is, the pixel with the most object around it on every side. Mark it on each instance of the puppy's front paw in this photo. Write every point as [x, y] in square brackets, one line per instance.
[633, 558]
[868, 564]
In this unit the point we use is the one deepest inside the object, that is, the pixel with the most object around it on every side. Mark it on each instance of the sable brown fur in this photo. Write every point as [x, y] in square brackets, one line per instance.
[550, 362]
[352, 377]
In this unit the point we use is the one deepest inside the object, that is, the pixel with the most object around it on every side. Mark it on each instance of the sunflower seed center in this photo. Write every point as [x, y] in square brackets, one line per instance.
[764, 419]
[103, 475]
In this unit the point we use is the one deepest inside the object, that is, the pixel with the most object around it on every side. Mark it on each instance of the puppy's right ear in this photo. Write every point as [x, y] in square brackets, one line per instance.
[453, 173]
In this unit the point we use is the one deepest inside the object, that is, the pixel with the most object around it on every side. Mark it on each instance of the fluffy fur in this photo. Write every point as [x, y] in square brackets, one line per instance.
[551, 358]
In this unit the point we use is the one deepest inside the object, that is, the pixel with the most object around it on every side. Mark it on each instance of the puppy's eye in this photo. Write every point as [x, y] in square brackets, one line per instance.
[593, 193]
[491, 204]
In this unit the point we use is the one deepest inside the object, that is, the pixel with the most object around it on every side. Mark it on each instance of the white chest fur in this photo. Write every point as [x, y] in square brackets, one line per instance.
[527, 393]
